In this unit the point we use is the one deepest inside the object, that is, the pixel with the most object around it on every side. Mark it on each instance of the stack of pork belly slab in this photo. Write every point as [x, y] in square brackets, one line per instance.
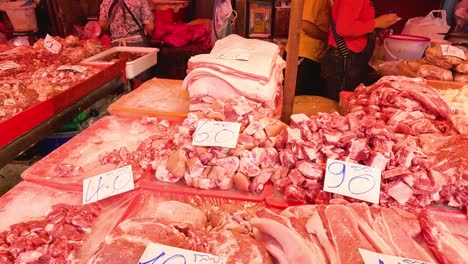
[236, 66]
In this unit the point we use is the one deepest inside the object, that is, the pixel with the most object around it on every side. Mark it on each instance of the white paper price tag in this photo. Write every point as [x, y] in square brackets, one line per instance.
[162, 254]
[216, 133]
[108, 184]
[76, 68]
[11, 51]
[449, 50]
[371, 257]
[352, 180]
[52, 45]
[8, 65]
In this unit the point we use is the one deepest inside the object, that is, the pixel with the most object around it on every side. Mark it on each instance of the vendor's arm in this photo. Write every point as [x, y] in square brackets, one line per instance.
[147, 18]
[346, 17]
[103, 15]
[315, 18]
[149, 27]
[313, 31]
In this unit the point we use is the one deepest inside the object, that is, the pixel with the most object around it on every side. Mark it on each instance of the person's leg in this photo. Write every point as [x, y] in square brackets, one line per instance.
[308, 77]
[356, 71]
[302, 78]
[332, 73]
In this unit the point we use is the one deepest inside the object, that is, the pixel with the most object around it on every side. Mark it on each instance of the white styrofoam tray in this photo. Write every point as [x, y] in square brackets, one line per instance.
[134, 67]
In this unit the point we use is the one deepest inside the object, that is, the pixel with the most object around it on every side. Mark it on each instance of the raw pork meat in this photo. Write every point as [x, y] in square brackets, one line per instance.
[387, 127]
[215, 226]
[100, 148]
[236, 67]
[447, 247]
[462, 68]
[461, 78]
[335, 232]
[236, 247]
[128, 241]
[434, 56]
[249, 166]
[54, 239]
[432, 72]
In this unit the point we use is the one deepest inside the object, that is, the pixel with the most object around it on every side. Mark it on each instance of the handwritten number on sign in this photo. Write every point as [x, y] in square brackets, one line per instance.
[50, 44]
[359, 182]
[114, 185]
[338, 169]
[153, 261]
[175, 259]
[216, 133]
[200, 137]
[96, 193]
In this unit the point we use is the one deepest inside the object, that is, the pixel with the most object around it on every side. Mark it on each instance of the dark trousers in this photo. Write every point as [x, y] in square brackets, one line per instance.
[308, 80]
[343, 74]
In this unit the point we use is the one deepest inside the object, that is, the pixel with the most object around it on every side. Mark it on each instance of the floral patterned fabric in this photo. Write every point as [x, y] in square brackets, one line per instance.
[121, 22]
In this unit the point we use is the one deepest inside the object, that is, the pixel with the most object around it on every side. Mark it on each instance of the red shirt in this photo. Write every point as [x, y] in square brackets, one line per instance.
[353, 19]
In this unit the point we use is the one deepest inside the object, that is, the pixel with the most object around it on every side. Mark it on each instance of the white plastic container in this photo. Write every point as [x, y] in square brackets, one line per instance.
[134, 67]
[405, 47]
[22, 18]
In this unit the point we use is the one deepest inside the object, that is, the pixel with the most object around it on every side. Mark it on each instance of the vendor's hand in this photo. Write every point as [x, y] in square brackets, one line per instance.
[384, 21]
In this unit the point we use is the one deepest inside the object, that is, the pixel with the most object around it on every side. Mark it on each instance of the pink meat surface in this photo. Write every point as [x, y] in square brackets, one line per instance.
[347, 237]
[445, 245]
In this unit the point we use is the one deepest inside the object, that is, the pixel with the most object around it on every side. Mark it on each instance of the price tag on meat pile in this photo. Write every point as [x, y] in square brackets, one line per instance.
[216, 133]
[162, 254]
[352, 180]
[76, 68]
[449, 50]
[371, 257]
[8, 65]
[52, 45]
[108, 184]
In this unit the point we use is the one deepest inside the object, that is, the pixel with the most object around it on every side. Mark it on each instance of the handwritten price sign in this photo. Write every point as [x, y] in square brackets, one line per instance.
[76, 68]
[233, 56]
[449, 50]
[215, 133]
[371, 257]
[52, 45]
[8, 65]
[352, 180]
[162, 254]
[108, 184]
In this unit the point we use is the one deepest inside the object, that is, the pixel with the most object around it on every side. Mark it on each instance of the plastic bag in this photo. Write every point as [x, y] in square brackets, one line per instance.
[429, 26]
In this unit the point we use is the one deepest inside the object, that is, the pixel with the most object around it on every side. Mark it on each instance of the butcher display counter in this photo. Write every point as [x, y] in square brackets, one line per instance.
[26, 128]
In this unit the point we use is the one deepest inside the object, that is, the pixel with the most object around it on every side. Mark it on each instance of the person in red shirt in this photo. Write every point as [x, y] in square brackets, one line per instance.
[350, 44]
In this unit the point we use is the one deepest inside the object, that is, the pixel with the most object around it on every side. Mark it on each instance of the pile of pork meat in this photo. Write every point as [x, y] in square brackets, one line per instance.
[398, 125]
[36, 78]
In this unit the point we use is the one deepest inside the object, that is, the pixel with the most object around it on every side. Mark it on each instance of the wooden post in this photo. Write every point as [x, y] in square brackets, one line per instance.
[291, 59]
